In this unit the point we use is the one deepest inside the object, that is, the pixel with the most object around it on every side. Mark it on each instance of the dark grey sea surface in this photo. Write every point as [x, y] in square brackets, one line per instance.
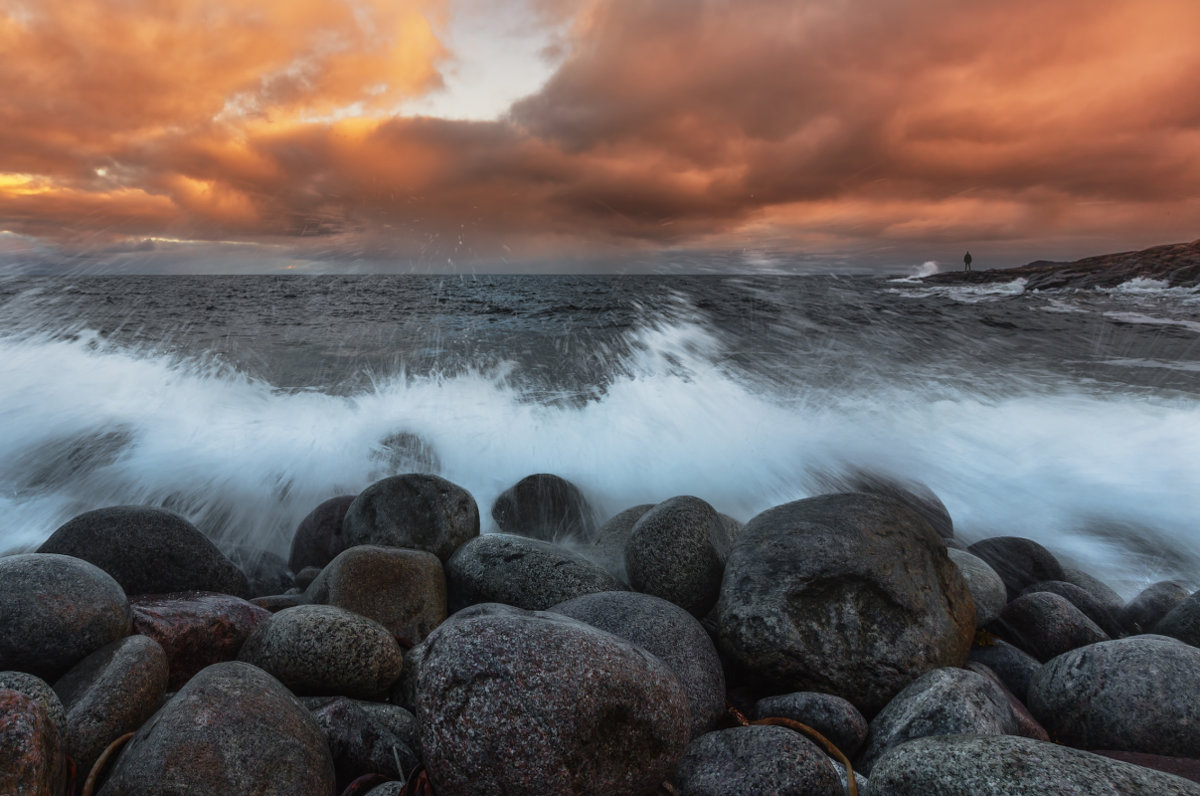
[1069, 416]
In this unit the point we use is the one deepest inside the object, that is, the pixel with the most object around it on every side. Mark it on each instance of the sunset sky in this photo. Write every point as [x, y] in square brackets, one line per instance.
[328, 135]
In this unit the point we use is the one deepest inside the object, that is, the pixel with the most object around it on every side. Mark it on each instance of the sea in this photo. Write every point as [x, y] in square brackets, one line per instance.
[241, 402]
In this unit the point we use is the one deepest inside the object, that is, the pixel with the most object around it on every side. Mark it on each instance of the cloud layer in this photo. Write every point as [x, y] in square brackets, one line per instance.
[898, 127]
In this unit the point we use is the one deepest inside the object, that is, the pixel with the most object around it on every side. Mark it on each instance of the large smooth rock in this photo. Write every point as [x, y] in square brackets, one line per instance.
[1101, 591]
[547, 507]
[403, 590]
[677, 551]
[1152, 604]
[1182, 621]
[368, 738]
[148, 551]
[917, 496]
[987, 589]
[511, 701]
[421, 512]
[196, 629]
[607, 548]
[834, 717]
[746, 760]
[1018, 561]
[1014, 666]
[1137, 694]
[323, 650]
[32, 758]
[54, 611]
[667, 631]
[318, 537]
[852, 595]
[109, 693]
[1008, 765]
[1045, 625]
[1027, 725]
[942, 702]
[522, 572]
[1105, 618]
[232, 729]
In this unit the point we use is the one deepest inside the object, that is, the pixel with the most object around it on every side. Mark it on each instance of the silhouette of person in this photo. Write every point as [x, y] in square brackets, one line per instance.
[967, 262]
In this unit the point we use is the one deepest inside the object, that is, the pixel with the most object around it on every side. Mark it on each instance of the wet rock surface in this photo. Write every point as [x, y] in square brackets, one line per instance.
[41, 691]
[148, 551]
[522, 572]
[54, 611]
[232, 729]
[196, 629]
[323, 650]
[852, 595]
[32, 760]
[1105, 618]
[545, 506]
[368, 737]
[1013, 665]
[421, 512]
[987, 589]
[677, 551]
[511, 701]
[746, 760]
[318, 537]
[607, 548]
[1153, 603]
[830, 715]
[1182, 621]
[1045, 625]
[1018, 561]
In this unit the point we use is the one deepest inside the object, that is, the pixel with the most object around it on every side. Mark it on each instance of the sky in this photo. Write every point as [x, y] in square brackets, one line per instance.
[343, 135]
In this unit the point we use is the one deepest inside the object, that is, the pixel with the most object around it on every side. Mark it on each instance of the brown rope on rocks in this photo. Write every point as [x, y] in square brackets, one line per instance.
[98, 766]
[804, 729]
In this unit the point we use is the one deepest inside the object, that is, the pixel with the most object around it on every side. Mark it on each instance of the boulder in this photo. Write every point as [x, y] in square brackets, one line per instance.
[1100, 590]
[323, 650]
[403, 590]
[148, 551]
[1027, 725]
[545, 507]
[1105, 618]
[39, 690]
[1014, 666]
[917, 496]
[1138, 694]
[54, 611]
[1008, 765]
[232, 729]
[31, 750]
[746, 760]
[852, 595]
[942, 702]
[266, 572]
[196, 629]
[368, 738]
[1045, 625]
[1182, 621]
[522, 572]
[607, 548]
[1152, 604]
[987, 589]
[1018, 561]
[667, 631]
[319, 537]
[677, 551]
[421, 512]
[512, 701]
[109, 693]
[305, 577]
[835, 718]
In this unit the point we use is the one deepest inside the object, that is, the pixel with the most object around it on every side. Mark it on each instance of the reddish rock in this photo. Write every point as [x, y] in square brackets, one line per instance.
[196, 629]
[32, 760]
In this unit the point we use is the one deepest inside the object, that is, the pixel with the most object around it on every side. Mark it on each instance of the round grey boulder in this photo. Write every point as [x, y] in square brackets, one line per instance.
[421, 512]
[667, 631]
[368, 737]
[1101, 591]
[1182, 621]
[1014, 666]
[1008, 765]
[1137, 694]
[111, 692]
[318, 537]
[1105, 618]
[545, 506]
[1018, 561]
[852, 595]
[232, 729]
[1152, 604]
[511, 701]
[942, 702]
[677, 551]
[522, 572]
[986, 587]
[834, 717]
[54, 611]
[323, 650]
[148, 550]
[1045, 625]
[745, 760]
[607, 548]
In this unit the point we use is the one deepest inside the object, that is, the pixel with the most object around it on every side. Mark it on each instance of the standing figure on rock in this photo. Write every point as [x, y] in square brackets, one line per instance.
[967, 262]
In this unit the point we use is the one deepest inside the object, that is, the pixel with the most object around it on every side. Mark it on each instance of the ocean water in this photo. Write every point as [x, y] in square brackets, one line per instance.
[242, 402]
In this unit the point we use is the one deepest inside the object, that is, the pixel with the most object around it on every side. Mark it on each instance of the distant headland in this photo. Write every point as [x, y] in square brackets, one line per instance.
[1177, 264]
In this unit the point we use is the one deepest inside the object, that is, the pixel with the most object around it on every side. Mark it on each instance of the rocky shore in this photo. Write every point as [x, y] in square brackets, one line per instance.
[846, 643]
[1177, 264]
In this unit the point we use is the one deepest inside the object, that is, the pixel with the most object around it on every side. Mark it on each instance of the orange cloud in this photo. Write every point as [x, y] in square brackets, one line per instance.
[888, 125]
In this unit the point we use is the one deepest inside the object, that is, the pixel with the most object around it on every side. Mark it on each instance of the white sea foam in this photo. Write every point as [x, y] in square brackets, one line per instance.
[83, 425]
